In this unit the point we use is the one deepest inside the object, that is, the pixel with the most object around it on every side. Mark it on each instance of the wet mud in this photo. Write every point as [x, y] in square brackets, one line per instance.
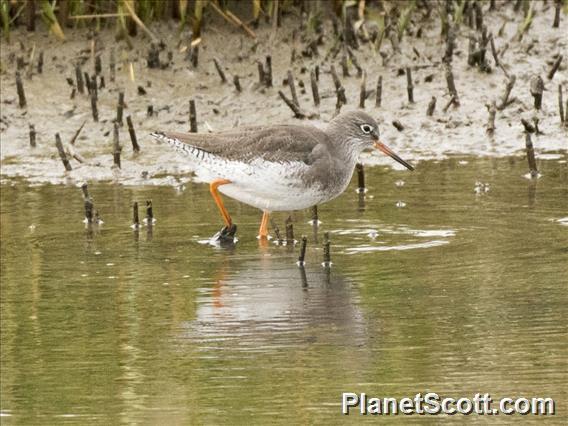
[449, 130]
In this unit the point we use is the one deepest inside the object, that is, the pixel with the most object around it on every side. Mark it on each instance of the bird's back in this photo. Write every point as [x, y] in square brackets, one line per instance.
[278, 144]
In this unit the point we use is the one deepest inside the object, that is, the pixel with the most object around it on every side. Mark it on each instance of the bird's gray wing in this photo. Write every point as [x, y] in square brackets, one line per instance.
[281, 144]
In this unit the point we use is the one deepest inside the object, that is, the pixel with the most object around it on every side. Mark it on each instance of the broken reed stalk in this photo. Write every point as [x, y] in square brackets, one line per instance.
[120, 108]
[77, 133]
[496, 56]
[360, 178]
[302, 257]
[88, 83]
[62, 155]
[195, 56]
[220, 70]
[555, 67]
[528, 126]
[379, 96]
[481, 53]
[268, 71]
[261, 73]
[431, 106]
[94, 88]
[478, 16]
[135, 215]
[471, 53]
[452, 85]
[32, 136]
[98, 65]
[315, 219]
[79, 78]
[237, 83]
[363, 91]
[292, 86]
[85, 190]
[88, 203]
[398, 125]
[492, 109]
[536, 129]
[557, 7]
[344, 66]
[116, 146]
[298, 113]
[29, 72]
[112, 65]
[560, 105]
[326, 250]
[339, 103]
[452, 101]
[276, 231]
[537, 89]
[355, 62]
[315, 90]
[153, 59]
[289, 231]
[149, 213]
[494, 51]
[192, 117]
[20, 89]
[530, 155]
[40, 63]
[94, 108]
[409, 85]
[132, 133]
[339, 90]
[450, 45]
[505, 101]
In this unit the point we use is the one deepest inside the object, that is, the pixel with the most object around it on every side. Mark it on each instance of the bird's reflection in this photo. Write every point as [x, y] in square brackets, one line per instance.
[255, 299]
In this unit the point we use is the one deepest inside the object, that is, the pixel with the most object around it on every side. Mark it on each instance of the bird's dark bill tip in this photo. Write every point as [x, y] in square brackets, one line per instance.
[386, 150]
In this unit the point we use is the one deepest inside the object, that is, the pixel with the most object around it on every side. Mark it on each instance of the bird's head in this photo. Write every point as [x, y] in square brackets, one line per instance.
[361, 131]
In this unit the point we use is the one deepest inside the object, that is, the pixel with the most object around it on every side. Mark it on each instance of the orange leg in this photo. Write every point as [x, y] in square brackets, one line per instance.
[263, 231]
[215, 193]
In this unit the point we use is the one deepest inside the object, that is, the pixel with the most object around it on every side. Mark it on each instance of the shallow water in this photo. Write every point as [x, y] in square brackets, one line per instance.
[455, 131]
[457, 292]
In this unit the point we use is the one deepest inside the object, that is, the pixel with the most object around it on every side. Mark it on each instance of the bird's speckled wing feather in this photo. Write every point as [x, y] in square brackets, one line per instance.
[281, 144]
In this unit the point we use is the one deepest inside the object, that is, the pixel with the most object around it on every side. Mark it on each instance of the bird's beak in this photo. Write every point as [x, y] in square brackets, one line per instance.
[386, 150]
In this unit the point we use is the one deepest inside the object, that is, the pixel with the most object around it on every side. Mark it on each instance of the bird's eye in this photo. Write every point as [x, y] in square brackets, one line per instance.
[366, 128]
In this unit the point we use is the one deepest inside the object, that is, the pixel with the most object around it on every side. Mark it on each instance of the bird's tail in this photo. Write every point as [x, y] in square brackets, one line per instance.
[179, 146]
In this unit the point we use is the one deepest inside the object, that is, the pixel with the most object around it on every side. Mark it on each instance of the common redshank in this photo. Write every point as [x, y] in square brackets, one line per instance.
[280, 167]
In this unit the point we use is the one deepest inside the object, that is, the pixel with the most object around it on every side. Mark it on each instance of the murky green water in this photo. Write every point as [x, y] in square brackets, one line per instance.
[457, 292]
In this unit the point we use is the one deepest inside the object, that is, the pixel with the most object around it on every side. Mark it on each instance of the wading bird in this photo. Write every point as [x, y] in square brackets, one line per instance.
[280, 167]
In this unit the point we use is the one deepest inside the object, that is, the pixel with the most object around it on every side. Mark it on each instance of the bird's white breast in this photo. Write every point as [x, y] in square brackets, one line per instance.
[267, 185]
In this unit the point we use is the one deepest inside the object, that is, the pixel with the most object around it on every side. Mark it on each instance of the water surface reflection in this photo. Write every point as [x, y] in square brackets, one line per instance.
[460, 291]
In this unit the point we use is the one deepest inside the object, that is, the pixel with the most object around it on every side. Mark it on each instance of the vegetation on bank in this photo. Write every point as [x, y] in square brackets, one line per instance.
[375, 19]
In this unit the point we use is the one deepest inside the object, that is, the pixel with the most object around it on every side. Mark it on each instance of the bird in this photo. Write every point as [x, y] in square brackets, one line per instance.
[280, 167]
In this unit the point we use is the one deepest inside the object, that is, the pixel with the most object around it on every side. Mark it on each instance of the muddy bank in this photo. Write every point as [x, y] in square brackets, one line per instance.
[457, 130]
